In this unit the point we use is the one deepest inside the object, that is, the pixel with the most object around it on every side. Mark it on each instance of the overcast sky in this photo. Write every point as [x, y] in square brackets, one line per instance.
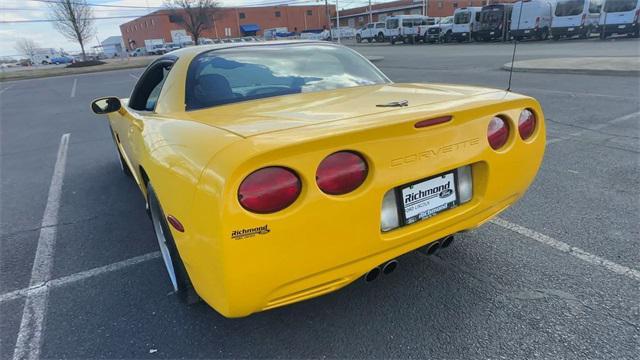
[45, 35]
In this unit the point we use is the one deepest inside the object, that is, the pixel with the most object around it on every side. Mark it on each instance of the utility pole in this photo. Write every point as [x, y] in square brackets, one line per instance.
[338, 20]
[370, 13]
[425, 4]
[326, 8]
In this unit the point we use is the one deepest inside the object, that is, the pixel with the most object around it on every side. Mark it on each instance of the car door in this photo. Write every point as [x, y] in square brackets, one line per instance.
[128, 124]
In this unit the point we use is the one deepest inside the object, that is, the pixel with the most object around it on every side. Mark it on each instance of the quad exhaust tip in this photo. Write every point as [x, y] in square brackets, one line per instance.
[372, 274]
[446, 241]
[432, 248]
[389, 267]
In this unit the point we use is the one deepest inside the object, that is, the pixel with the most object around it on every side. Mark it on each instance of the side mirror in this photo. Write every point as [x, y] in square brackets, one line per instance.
[106, 105]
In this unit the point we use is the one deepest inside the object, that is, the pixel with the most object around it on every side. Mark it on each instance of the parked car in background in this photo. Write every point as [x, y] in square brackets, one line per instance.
[138, 52]
[535, 20]
[405, 27]
[372, 31]
[155, 46]
[465, 22]
[171, 46]
[441, 31]
[575, 18]
[495, 21]
[620, 17]
[57, 60]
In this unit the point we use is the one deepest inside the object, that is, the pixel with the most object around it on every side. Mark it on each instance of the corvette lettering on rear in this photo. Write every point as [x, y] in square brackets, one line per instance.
[431, 153]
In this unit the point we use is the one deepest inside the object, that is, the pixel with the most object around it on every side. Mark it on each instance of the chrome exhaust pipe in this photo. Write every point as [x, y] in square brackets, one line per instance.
[430, 249]
[389, 267]
[447, 241]
[372, 274]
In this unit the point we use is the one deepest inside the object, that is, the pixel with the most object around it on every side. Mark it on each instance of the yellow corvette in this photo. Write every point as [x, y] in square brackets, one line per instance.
[276, 172]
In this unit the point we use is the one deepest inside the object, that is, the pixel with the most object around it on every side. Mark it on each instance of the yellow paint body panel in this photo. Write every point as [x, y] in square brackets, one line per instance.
[196, 161]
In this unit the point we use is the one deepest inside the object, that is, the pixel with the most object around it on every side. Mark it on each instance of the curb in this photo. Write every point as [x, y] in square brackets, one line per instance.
[607, 72]
[87, 70]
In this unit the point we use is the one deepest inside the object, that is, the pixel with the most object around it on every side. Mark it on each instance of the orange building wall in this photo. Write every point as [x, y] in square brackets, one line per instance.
[158, 26]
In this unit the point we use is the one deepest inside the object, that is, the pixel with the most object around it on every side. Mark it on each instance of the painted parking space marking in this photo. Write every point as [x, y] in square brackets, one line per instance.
[6, 88]
[73, 278]
[595, 128]
[568, 249]
[73, 88]
[133, 76]
[29, 335]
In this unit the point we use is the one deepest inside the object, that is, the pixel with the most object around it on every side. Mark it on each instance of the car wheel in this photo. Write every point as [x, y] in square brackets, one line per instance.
[369, 40]
[170, 256]
[358, 39]
[44, 62]
[587, 33]
[380, 37]
[393, 41]
[555, 37]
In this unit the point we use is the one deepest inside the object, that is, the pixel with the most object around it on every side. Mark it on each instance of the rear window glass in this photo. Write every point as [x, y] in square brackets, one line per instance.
[569, 7]
[239, 74]
[620, 5]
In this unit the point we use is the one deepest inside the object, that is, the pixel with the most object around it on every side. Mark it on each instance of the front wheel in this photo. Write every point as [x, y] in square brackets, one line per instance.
[369, 40]
[358, 38]
[170, 256]
[380, 38]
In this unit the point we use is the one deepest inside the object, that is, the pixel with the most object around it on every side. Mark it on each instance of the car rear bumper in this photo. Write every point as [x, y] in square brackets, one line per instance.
[620, 28]
[322, 243]
[569, 31]
[489, 34]
[526, 33]
[461, 36]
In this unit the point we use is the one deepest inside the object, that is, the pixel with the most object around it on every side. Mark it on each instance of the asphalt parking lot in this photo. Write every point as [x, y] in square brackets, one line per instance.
[556, 276]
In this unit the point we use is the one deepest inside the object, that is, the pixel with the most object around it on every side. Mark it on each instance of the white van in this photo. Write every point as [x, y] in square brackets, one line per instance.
[575, 18]
[464, 23]
[535, 20]
[620, 17]
[405, 28]
[372, 31]
[439, 32]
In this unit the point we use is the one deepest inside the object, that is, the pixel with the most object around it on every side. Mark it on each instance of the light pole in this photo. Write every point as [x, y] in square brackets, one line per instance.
[370, 13]
[338, 20]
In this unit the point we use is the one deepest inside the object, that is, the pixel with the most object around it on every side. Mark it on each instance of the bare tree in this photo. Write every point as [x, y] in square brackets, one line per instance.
[26, 47]
[194, 15]
[74, 20]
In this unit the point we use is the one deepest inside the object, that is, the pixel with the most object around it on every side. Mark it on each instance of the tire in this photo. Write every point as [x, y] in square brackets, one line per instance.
[369, 40]
[173, 264]
[544, 35]
[358, 38]
[555, 37]
[393, 41]
[44, 62]
[380, 38]
[587, 33]
[447, 37]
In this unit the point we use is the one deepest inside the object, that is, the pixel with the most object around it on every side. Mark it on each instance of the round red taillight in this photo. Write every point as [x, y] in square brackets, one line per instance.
[526, 124]
[341, 173]
[269, 190]
[498, 133]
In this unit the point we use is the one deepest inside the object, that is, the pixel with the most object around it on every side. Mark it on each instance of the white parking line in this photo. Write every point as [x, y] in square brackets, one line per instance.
[29, 335]
[5, 89]
[595, 128]
[133, 76]
[73, 88]
[69, 279]
[571, 250]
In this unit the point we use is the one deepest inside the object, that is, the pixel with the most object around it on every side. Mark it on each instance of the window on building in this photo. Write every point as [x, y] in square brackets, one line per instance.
[439, 4]
[152, 22]
[455, 5]
[277, 13]
[242, 15]
[175, 18]
[309, 12]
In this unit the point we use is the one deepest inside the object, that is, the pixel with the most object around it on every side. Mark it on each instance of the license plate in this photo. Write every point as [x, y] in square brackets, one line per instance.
[571, 29]
[427, 198]
[527, 31]
[621, 26]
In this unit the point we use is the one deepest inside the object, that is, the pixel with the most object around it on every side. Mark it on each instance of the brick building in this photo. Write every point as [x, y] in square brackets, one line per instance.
[359, 16]
[227, 22]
